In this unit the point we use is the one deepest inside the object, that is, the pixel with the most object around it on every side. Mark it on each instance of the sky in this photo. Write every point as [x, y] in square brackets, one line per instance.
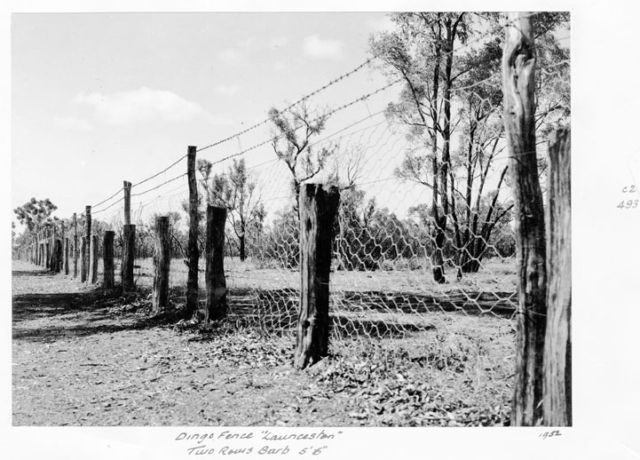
[102, 98]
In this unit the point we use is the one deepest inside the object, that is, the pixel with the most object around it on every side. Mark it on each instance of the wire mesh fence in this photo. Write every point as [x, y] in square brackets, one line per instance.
[423, 239]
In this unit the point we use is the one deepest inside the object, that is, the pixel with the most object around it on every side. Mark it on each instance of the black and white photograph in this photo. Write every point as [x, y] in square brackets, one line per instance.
[292, 233]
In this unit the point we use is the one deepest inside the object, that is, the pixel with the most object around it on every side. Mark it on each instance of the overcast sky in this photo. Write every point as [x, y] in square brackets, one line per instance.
[102, 98]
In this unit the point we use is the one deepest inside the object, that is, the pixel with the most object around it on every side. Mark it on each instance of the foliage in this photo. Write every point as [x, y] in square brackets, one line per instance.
[294, 148]
[237, 191]
[35, 213]
[457, 90]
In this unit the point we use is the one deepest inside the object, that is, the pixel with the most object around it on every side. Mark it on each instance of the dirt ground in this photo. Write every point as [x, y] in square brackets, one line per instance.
[84, 356]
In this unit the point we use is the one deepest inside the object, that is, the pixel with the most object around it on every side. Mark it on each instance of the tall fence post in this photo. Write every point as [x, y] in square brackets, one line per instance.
[75, 245]
[128, 243]
[65, 249]
[192, 277]
[557, 344]
[40, 249]
[93, 260]
[47, 245]
[128, 257]
[107, 259]
[83, 260]
[216, 285]
[161, 263]
[57, 250]
[518, 73]
[318, 208]
[53, 262]
[127, 202]
[88, 254]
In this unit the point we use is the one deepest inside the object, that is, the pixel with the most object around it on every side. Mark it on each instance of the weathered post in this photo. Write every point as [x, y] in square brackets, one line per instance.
[93, 258]
[127, 202]
[518, 73]
[557, 345]
[216, 306]
[65, 249]
[57, 250]
[161, 263]
[318, 207]
[192, 277]
[107, 259]
[84, 259]
[48, 249]
[88, 263]
[75, 245]
[129, 238]
[128, 257]
[53, 262]
[66, 255]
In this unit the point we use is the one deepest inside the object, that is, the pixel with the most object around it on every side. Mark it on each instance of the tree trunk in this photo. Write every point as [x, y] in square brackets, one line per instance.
[318, 207]
[161, 263]
[518, 67]
[557, 347]
[194, 255]
[107, 260]
[216, 307]
[128, 257]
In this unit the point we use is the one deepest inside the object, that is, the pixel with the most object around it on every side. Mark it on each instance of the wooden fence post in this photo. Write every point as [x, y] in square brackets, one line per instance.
[161, 263]
[127, 202]
[47, 245]
[83, 259]
[518, 84]
[107, 259]
[65, 252]
[93, 260]
[57, 250]
[216, 306]
[557, 345]
[318, 207]
[66, 255]
[128, 257]
[128, 243]
[89, 277]
[75, 245]
[192, 277]
[53, 262]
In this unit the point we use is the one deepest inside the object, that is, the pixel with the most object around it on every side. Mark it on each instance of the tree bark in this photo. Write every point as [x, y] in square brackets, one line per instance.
[216, 306]
[318, 208]
[557, 350]
[518, 68]
[192, 277]
[128, 257]
[107, 259]
[161, 263]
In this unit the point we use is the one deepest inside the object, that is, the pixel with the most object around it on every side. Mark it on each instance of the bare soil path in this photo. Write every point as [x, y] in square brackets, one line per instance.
[82, 356]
